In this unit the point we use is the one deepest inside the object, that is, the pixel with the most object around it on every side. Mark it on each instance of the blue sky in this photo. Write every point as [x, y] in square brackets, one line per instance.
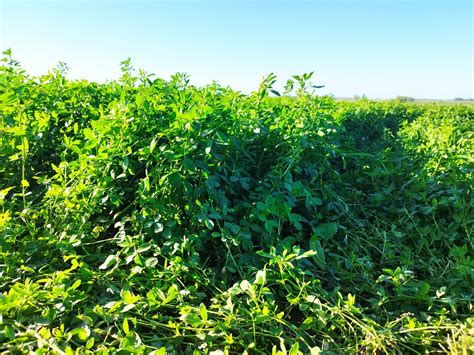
[382, 49]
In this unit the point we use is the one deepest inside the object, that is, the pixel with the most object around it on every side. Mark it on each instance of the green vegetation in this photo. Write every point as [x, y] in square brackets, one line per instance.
[146, 215]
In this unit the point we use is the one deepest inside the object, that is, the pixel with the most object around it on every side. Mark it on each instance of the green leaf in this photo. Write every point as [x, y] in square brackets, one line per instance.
[188, 164]
[25, 144]
[152, 145]
[125, 162]
[91, 144]
[83, 333]
[261, 277]
[9, 332]
[171, 295]
[75, 285]
[319, 258]
[294, 349]
[125, 327]
[306, 254]
[146, 183]
[129, 298]
[203, 312]
[269, 225]
[193, 319]
[4, 192]
[89, 134]
[326, 230]
[317, 201]
[111, 259]
[90, 343]
[209, 223]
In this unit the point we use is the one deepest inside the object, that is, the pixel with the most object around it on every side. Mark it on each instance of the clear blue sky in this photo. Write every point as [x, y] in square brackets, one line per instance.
[419, 48]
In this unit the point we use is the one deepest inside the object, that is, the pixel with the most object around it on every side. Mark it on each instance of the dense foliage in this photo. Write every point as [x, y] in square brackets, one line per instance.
[151, 215]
